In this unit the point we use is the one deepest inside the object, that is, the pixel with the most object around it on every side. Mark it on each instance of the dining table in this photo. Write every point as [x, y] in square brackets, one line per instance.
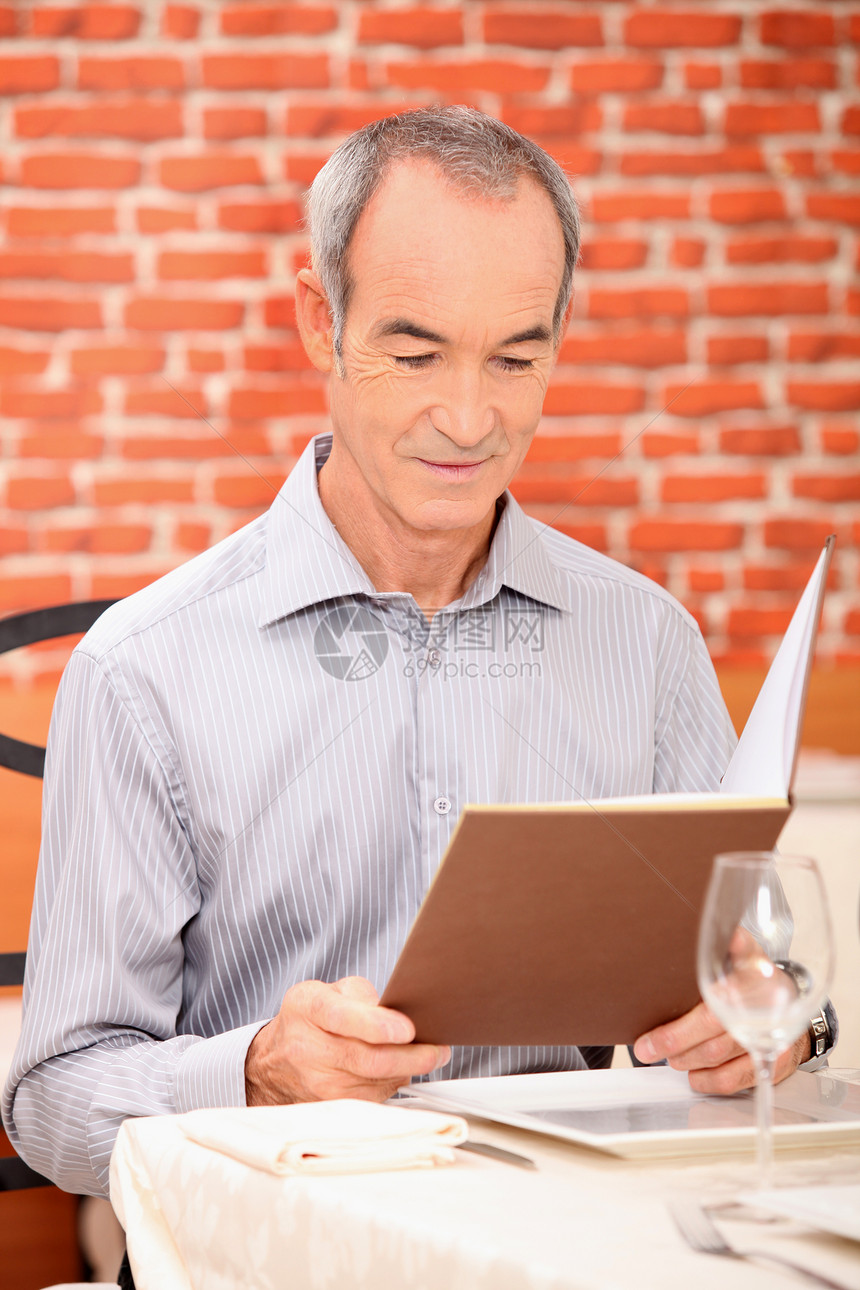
[577, 1219]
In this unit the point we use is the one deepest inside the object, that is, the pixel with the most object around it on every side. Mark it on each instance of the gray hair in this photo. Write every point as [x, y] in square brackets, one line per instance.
[479, 155]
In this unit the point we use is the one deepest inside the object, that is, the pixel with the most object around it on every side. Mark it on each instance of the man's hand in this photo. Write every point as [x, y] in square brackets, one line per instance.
[331, 1041]
[698, 1043]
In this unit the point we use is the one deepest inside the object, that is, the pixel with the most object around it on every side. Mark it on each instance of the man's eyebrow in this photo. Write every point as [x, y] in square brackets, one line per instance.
[403, 327]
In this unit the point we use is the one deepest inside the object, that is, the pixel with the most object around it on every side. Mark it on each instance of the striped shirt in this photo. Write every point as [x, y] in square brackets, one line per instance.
[255, 765]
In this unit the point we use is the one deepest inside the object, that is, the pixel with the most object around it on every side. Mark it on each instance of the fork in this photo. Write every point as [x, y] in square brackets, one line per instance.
[702, 1235]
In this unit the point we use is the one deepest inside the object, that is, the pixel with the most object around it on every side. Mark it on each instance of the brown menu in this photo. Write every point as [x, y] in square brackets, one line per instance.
[577, 923]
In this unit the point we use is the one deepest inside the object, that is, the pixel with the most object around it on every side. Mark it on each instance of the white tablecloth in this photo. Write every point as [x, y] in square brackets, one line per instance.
[582, 1221]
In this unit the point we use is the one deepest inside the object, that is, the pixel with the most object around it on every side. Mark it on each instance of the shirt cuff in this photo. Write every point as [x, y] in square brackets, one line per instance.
[212, 1071]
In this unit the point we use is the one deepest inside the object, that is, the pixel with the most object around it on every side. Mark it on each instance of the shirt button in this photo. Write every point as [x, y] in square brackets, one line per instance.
[434, 658]
[442, 805]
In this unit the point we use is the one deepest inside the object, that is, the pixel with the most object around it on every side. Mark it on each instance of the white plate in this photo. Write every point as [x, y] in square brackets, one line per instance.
[653, 1112]
[831, 1208]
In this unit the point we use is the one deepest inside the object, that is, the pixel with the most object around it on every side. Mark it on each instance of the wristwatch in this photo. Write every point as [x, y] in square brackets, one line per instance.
[823, 1028]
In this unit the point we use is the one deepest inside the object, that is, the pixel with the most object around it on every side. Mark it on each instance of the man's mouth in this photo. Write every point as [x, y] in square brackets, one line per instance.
[454, 472]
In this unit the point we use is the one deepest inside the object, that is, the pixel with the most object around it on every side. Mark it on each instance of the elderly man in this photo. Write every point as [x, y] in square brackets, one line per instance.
[256, 763]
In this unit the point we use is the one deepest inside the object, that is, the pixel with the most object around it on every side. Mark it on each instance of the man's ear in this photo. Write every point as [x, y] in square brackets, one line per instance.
[313, 316]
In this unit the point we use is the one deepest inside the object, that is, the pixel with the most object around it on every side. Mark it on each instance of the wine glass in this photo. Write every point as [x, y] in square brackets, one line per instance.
[765, 963]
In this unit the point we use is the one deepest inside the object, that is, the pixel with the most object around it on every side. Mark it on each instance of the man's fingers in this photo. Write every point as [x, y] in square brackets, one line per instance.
[350, 1009]
[696, 1027]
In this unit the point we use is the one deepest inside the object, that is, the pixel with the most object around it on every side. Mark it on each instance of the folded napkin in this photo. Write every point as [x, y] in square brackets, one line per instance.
[338, 1137]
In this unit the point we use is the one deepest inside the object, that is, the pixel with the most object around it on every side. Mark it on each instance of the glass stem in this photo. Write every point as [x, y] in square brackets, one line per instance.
[764, 1066]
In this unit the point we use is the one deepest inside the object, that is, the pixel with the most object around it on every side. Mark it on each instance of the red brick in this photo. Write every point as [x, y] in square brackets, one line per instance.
[49, 403]
[705, 580]
[687, 252]
[116, 586]
[22, 362]
[180, 22]
[840, 441]
[41, 313]
[760, 441]
[781, 577]
[727, 350]
[818, 347]
[124, 490]
[681, 29]
[572, 155]
[246, 490]
[260, 217]
[280, 311]
[8, 21]
[553, 119]
[824, 396]
[684, 535]
[152, 219]
[668, 117]
[79, 170]
[234, 123]
[791, 534]
[421, 27]
[318, 120]
[657, 443]
[116, 360]
[29, 75]
[772, 118]
[144, 72]
[640, 302]
[797, 30]
[536, 28]
[637, 347]
[61, 441]
[205, 360]
[13, 541]
[852, 302]
[703, 76]
[798, 162]
[189, 536]
[591, 398]
[850, 123]
[846, 160]
[78, 266]
[704, 161]
[188, 404]
[781, 250]
[753, 621]
[646, 204]
[712, 487]
[788, 74]
[593, 535]
[127, 119]
[277, 19]
[276, 358]
[200, 447]
[747, 206]
[565, 448]
[616, 76]
[52, 221]
[854, 28]
[39, 492]
[212, 170]
[34, 591]
[211, 266]
[265, 71]
[842, 487]
[101, 539]
[584, 490]
[86, 22]
[149, 313]
[287, 400]
[492, 75]
[303, 168]
[769, 299]
[842, 207]
[852, 622]
[703, 398]
[614, 253]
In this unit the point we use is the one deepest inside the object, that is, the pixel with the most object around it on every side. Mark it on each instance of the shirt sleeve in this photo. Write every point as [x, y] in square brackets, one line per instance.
[116, 885]
[694, 737]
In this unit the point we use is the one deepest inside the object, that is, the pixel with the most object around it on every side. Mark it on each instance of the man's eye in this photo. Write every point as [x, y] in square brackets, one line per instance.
[414, 362]
[513, 364]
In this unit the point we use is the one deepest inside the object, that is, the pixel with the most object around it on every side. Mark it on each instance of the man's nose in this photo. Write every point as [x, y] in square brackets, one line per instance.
[464, 413]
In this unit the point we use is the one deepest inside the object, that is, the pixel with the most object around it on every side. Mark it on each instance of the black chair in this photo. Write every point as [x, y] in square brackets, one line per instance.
[29, 759]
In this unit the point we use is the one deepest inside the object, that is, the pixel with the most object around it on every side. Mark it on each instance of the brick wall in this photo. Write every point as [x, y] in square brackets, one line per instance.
[702, 424]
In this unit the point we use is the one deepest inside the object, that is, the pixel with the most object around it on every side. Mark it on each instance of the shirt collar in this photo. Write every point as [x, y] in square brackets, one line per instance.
[307, 561]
